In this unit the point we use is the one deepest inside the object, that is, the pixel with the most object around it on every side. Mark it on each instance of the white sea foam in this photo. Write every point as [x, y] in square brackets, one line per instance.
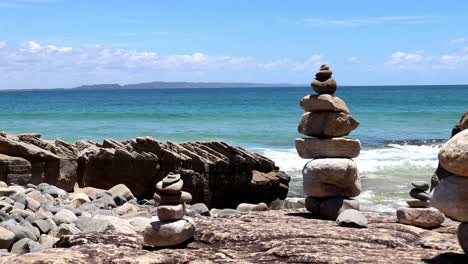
[386, 172]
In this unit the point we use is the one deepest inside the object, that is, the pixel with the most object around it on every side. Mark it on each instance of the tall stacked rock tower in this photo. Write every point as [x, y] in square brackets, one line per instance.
[331, 178]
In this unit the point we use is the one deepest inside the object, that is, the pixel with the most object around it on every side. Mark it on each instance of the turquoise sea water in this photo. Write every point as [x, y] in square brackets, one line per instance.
[260, 119]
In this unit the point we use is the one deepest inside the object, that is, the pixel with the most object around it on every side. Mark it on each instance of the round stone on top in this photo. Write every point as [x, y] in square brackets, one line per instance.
[171, 184]
[170, 179]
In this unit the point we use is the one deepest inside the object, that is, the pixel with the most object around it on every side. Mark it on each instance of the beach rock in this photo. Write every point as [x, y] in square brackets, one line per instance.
[420, 185]
[65, 216]
[462, 124]
[19, 230]
[170, 212]
[126, 209]
[130, 241]
[200, 208]
[45, 225]
[6, 238]
[314, 148]
[352, 218]
[121, 190]
[462, 234]
[37, 195]
[3, 184]
[453, 155]
[64, 229]
[183, 197]
[14, 170]
[323, 103]
[288, 203]
[102, 223]
[331, 177]
[450, 197]
[327, 124]
[173, 188]
[329, 208]
[141, 223]
[162, 234]
[325, 87]
[246, 207]
[24, 246]
[420, 217]
[228, 212]
[32, 204]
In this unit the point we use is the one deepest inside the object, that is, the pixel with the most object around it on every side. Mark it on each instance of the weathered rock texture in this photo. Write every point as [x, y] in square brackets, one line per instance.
[215, 173]
[256, 238]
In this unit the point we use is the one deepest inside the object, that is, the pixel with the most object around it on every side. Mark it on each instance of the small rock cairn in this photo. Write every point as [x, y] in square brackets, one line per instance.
[173, 228]
[331, 177]
[420, 213]
[450, 196]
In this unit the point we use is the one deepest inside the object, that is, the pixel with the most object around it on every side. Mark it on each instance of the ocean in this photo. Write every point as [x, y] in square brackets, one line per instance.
[401, 127]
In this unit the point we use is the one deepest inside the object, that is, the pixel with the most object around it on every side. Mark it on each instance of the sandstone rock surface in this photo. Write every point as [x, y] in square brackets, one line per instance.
[451, 196]
[314, 148]
[323, 103]
[327, 124]
[421, 217]
[453, 155]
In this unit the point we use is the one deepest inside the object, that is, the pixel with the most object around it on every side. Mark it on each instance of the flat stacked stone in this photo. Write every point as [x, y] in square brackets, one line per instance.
[330, 179]
[450, 196]
[419, 213]
[172, 228]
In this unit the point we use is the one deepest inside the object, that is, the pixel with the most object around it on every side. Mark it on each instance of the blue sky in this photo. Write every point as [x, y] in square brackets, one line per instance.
[60, 43]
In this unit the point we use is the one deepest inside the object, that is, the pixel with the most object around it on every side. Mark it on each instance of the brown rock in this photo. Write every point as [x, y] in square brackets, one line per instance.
[327, 124]
[453, 155]
[420, 217]
[331, 177]
[323, 103]
[313, 148]
[325, 87]
[15, 170]
[323, 75]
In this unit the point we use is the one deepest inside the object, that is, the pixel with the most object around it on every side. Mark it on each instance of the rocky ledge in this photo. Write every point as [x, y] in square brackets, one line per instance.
[254, 237]
[215, 173]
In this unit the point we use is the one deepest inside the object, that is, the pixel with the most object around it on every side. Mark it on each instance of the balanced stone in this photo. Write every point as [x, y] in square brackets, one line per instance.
[170, 212]
[418, 203]
[323, 75]
[450, 197]
[331, 177]
[325, 87]
[420, 195]
[323, 103]
[453, 155]
[182, 197]
[172, 188]
[421, 217]
[327, 124]
[330, 208]
[313, 148]
[162, 233]
[170, 179]
[352, 218]
[420, 185]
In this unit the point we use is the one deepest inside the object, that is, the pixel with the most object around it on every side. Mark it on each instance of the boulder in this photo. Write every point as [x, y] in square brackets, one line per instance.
[450, 197]
[324, 87]
[15, 170]
[327, 124]
[331, 177]
[65, 216]
[453, 155]
[420, 217]
[323, 103]
[163, 234]
[352, 218]
[6, 238]
[314, 148]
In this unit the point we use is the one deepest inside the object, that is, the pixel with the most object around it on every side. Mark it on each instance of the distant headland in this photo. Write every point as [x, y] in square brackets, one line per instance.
[179, 85]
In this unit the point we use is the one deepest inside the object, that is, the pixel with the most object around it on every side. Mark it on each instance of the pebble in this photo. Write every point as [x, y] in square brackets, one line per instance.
[420, 185]
[352, 218]
[64, 216]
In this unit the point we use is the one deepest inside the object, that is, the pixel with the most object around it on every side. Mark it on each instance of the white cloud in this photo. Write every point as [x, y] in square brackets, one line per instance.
[3, 44]
[368, 21]
[422, 61]
[404, 59]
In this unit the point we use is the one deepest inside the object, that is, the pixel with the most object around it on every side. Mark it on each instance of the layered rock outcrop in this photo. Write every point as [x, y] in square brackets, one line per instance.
[215, 173]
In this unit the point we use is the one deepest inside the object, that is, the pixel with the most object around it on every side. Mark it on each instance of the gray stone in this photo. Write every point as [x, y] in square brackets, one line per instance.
[327, 124]
[37, 195]
[64, 229]
[19, 206]
[65, 216]
[323, 103]
[228, 212]
[323, 75]
[352, 218]
[420, 195]
[6, 191]
[172, 188]
[450, 197]
[170, 212]
[201, 209]
[3, 184]
[183, 197]
[420, 217]
[121, 189]
[162, 234]
[6, 238]
[140, 223]
[126, 209]
[418, 204]
[330, 208]
[313, 148]
[32, 204]
[19, 197]
[23, 213]
[19, 230]
[288, 203]
[331, 177]
[24, 246]
[45, 225]
[102, 223]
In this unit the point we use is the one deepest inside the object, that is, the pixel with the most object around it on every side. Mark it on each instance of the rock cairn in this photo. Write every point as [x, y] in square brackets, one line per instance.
[419, 213]
[450, 196]
[331, 178]
[172, 228]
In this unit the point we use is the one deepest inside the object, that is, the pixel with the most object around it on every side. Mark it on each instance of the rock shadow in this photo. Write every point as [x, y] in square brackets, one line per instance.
[448, 258]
